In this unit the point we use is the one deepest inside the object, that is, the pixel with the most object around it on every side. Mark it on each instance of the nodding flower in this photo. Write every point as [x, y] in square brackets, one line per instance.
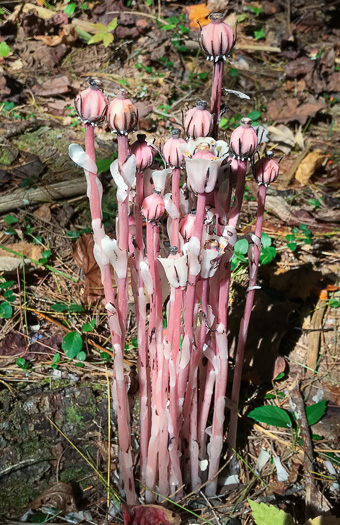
[153, 207]
[217, 38]
[171, 152]
[243, 140]
[91, 104]
[198, 121]
[203, 159]
[143, 152]
[266, 170]
[122, 116]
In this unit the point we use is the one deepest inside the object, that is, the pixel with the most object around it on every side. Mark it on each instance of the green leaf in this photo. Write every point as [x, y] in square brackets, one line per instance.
[70, 9]
[4, 49]
[254, 9]
[10, 219]
[107, 39]
[308, 240]
[269, 515]
[72, 344]
[260, 34]
[98, 37]
[254, 115]
[266, 240]
[56, 358]
[6, 311]
[303, 227]
[46, 254]
[334, 303]
[88, 327]
[267, 255]
[232, 72]
[9, 295]
[75, 308]
[241, 18]
[83, 35]
[59, 307]
[22, 363]
[241, 246]
[315, 203]
[112, 25]
[315, 412]
[148, 3]
[6, 284]
[271, 415]
[72, 234]
[81, 356]
[290, 238]
[224, 122]
[280, 376]
[292, 246]
[168, 27]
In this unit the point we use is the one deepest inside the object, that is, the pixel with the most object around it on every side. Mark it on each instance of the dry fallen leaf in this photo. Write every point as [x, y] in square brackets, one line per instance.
[44, 212]
[60, 496]
[324, 520]
[285, 110]
[83, 255]
[309, 165]
[9, 262]
[198, 13]
[67, 36]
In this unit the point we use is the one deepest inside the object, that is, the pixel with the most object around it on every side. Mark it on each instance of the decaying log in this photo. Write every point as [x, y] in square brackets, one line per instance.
[48, 193]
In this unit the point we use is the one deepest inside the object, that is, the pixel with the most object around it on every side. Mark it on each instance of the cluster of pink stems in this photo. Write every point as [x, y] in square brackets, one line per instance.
[196, 200]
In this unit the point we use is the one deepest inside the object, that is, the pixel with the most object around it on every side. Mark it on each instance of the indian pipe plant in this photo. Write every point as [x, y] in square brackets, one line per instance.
[196, 197]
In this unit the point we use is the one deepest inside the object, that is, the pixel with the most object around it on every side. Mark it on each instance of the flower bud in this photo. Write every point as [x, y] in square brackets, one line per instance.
[217, 38]
[266, 170]
[198, 121]
[243, 140]
[187, 226]
[171, 152]
[122, 116]
[143, 152]
[153, 207]
[91, 104]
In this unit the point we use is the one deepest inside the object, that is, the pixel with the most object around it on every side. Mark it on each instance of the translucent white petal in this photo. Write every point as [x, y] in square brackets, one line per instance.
[210, 260]
[192, 250]
[81, 158]
[146, 276]
[122, 187]
[116, 256]
[170, 206]
[176, 270]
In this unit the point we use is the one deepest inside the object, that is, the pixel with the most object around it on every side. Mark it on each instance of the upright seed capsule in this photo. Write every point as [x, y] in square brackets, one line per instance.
[243, 140]
[198, 121]
[91, 104]
[143, 152]
[217, 38]
[266, 170]
[122, 116]
[171, 151]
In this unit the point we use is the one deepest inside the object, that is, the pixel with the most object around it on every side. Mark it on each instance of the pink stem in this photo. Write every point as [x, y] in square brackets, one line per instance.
[190, 296]
[124, 431]
[176, 173]
[242, 339]
[123, 234]
[143, 362]
[216, 92]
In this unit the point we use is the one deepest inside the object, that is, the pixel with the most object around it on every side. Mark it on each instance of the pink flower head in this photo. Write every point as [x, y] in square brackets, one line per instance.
[266, 170]
[198, 121]
[153, 207]
[217, 38]
[187, 225]
[122, 116]
[143, 152]
[171, 152]
[91, 104]
[243, 140]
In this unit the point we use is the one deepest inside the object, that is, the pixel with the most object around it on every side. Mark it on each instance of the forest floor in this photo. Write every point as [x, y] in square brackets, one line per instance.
[54, 445]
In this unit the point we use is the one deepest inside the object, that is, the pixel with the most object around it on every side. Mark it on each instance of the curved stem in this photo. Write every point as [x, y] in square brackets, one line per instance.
[243, 332]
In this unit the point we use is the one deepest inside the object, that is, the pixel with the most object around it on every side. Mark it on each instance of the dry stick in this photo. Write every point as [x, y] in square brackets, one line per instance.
[298, 406]
[95, 193]
[216, 441]
[143, 362]
[243, 332]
